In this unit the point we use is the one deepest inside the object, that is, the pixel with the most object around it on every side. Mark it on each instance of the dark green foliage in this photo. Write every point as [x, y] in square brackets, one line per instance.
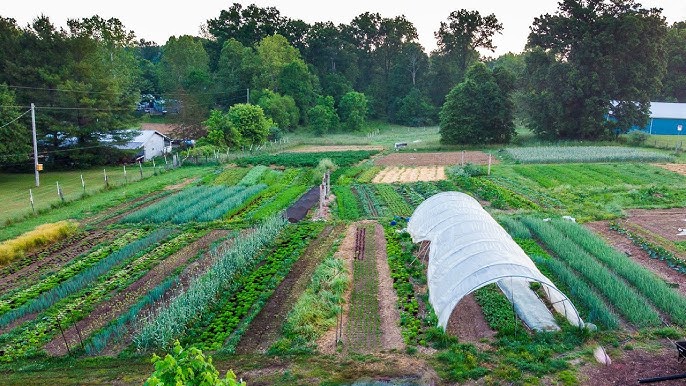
[353, 110]
[323, 117]
[674, 82]
[347, 203]
[415, 109]
[577, 66]
[14, 138]
[477, 110]
[281, 109]
[341, 159]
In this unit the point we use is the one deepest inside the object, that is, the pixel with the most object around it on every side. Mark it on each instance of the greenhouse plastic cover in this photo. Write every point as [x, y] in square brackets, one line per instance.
[469, 250]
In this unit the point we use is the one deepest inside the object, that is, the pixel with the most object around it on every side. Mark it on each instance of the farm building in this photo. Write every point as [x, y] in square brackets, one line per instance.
[469, 250]
[151, 143]
[665, 118]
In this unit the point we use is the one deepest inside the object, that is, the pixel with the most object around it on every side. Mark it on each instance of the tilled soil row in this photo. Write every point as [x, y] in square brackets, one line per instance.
[57, 259]
[266, 327]
[122, 301]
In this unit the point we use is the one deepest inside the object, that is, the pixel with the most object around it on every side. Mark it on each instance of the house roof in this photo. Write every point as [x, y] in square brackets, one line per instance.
[668, 110]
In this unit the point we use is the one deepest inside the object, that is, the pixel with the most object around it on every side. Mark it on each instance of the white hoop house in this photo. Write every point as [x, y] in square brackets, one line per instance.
[469, 250]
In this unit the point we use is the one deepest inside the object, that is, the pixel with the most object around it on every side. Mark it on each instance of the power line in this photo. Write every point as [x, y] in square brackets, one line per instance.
[15, 119]
[113, 92]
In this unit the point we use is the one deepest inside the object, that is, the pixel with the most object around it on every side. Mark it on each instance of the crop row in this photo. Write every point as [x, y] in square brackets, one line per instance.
[653, 250]
[254, 289]
[411, 196]
[287, 179]
[253, 176]
[84, 278]
[369, 200]
[195, 204]
[630, 303]
[486, 189]
[81, 263]
[229, 177]
[27, 339]
[311, 160]
[280, 203]
[317, 309]
[348, 207]
[651, 286]
[395, 203]
[401, 268]
[562, 154]
[230, 262]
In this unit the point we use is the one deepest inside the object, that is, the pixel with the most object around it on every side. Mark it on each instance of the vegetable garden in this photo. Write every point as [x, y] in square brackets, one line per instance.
[213, 264]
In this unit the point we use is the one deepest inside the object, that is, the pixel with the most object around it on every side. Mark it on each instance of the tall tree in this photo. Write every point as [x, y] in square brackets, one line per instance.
[478, 110]
[594, 52]
[185, 77]
[15, 139]
[248, 25]
[674, 82]
[464, 32]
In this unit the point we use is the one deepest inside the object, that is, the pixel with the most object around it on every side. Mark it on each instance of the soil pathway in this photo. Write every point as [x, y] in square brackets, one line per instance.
[468, 323]
[265, 328]
[388, 300]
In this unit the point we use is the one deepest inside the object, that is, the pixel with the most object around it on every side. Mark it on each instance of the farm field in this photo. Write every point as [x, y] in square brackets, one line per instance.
[203, 255]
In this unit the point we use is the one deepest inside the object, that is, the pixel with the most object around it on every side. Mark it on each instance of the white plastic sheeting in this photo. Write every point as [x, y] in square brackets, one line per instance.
[469, 250]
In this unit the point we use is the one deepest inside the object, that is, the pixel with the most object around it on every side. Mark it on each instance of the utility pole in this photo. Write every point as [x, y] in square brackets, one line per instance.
[247, 96]
[35, 143]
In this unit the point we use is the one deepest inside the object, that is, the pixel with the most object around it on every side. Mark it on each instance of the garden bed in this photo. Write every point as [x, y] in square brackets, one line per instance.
[667, 223]
[409, 174]
[434, 159]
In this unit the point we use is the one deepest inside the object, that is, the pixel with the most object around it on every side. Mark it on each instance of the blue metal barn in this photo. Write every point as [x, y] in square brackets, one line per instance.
[665, 118]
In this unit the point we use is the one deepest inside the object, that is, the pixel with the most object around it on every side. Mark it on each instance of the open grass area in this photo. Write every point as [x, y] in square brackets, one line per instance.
[14, 187]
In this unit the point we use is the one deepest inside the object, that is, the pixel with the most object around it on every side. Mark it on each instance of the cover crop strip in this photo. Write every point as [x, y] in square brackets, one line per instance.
[83, 279]
[630, 303]
[654, 288]
[42, 235]
[395, 203]
[229, 264]
[348, 207]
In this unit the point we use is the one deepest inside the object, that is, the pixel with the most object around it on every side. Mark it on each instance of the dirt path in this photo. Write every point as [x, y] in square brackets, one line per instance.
[633, 365]
[468, 323]
[635, 253]
[266, 327]
[122, 301]
[391, 339]
[56, 259]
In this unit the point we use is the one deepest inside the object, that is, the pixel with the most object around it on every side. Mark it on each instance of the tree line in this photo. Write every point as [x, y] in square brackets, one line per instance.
[278, 73]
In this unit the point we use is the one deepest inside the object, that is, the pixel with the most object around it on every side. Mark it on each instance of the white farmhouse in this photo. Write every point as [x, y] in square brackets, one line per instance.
[151, 143]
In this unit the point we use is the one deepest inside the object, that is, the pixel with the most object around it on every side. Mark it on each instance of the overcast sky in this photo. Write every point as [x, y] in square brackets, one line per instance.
[156, 21]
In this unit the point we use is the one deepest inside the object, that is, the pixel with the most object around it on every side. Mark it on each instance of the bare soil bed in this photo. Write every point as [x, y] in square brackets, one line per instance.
[332, 148]
[634, 365]
[667, 223]
[468, 323]
[623, 244]
[391, 338]
[265, 328]
[401, 174]
[676, 168]
[434, 159]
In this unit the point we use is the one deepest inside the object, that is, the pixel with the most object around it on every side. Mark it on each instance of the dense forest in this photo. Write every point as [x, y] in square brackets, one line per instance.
[255, 73]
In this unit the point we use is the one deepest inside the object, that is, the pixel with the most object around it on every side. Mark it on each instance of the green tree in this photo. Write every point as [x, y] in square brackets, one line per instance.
[250, 122]
[588, 54]
[353, 110]
[15, 139]
[236, 69]
[477, 111]
[674, 82]
[415, 109]
[188, 367]
[464, 32]
[275, 53]
[297, 81]
[280, 108]
[221, 132]
[184, 76]
[323, 117]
